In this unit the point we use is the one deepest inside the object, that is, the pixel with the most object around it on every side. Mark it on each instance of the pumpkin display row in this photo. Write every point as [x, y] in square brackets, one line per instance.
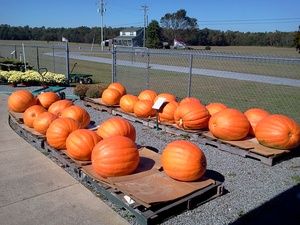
[275, 131]
[111, 148]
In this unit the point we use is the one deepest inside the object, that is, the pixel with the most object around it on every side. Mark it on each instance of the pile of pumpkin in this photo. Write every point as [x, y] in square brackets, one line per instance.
[275, 131]
[111, 149]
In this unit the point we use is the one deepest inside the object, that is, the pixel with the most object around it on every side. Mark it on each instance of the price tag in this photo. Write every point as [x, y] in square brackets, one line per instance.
[158, 103]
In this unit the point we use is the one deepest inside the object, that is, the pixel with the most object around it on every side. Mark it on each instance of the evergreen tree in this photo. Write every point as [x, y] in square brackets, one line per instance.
[154, 35]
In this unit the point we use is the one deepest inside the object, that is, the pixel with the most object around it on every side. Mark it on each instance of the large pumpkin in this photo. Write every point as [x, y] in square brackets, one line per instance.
[57, 107]
[215, 107]
[80, 144]
[183, 160]
[190, 100]
[143, 108]
[43, 121]
[20, 100]
[47, 98]
[59, 130]
[111, 96]
[119, 87]
[278, 131]
[127, 103]
[78, 114]
[191, 116]
[32, 113]
[167, 113]
[116, 126]
[168, 97]
[115, 156]
[229, 124]
[147, 95]
[255, 115]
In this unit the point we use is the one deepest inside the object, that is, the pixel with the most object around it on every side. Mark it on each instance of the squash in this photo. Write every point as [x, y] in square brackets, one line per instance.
[183, 161]
[43, 121]
[47, 98]
[115, 156]
[143, 108]
[191, 116]
[215, 107]
[32, 113]
[127, 103]
[167, 113]
[147, 95]
[59, 130]
[254, 115]
[229, 124]
[278, 131]
[80, 144]
[116, 126]
[57, 107]
[190, 100]
[111, 97]
[169, 97]
[20, 100]
[78, 114]
[119, 87]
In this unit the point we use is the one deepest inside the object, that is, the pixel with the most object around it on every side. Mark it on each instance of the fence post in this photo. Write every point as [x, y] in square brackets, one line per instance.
[67, 63]
[16, 55]
[53, 56]
[190, 76]
[113, 65]
[37, 58]
[148, 68]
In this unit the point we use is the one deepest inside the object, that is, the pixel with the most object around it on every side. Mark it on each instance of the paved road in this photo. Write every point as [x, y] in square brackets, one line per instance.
[196, 71]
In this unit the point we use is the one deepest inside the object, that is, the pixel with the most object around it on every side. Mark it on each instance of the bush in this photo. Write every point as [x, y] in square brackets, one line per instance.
[95, 90]
[80, 90]
[207, 47]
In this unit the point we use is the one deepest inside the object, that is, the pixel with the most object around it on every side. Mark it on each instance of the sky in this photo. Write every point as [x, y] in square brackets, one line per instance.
[235, 15]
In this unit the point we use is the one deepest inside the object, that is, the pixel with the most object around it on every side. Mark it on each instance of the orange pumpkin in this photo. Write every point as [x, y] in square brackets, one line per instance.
[116, 126]
[43, 121]
[191, 116]
[190, 100]
[111, 96]
[229, 124]
[57, 107]
[20, 100]
[167, 113]
[255, 115]
[78, 114]
[115, 156]
[169, 97]
[143, 108]
[215, 107]
[119, 87]
[127, 103]
[80, 144]
[278, 131]
[183, 161]
[147, 95]
[31, 113]
[59, 130]
[47, 98]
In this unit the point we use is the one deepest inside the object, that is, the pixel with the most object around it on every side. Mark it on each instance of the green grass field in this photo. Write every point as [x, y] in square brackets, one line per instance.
[234, 93]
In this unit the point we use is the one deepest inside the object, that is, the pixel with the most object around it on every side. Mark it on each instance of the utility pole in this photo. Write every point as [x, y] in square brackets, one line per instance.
[145, 8]
[101, 11]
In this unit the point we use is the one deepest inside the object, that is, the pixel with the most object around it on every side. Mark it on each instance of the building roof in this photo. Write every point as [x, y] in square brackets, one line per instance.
[131, 29]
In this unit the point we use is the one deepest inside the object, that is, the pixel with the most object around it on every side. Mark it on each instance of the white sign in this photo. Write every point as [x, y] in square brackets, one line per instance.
[158, 103]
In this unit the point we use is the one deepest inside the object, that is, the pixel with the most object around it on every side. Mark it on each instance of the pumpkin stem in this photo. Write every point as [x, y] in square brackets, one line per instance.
[180, 122]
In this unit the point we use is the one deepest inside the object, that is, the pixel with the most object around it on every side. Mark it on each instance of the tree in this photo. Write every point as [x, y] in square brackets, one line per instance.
[297, 40]
[178, 21]
[154, 35]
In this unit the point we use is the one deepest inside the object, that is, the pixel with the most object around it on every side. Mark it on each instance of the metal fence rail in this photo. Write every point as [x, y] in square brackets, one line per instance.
[239, 80]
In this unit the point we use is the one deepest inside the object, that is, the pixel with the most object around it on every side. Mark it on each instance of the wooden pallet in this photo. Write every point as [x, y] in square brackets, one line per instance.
[130, 116]
[97, 104]
[17, 116]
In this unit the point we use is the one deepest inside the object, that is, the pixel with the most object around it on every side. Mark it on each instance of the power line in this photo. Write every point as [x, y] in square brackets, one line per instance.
[241, 20]
[145, 8]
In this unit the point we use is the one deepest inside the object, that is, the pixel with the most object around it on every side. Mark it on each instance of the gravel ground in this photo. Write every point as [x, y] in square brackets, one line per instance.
[249, 183]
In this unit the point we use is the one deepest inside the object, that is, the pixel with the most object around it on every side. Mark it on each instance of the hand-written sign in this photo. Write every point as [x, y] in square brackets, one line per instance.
[158, 103]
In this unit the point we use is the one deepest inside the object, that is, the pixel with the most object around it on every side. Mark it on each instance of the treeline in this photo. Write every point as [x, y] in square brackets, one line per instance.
[193, 36]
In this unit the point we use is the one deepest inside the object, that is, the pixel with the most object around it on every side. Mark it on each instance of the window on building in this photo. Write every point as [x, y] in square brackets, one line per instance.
[123, 33]
[131, 33]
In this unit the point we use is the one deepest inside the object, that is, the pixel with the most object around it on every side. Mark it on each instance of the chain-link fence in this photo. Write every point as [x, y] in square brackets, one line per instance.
[239, 80]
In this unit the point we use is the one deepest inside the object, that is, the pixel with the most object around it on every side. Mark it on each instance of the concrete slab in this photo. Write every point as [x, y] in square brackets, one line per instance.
[71, 205]
[25, 173]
